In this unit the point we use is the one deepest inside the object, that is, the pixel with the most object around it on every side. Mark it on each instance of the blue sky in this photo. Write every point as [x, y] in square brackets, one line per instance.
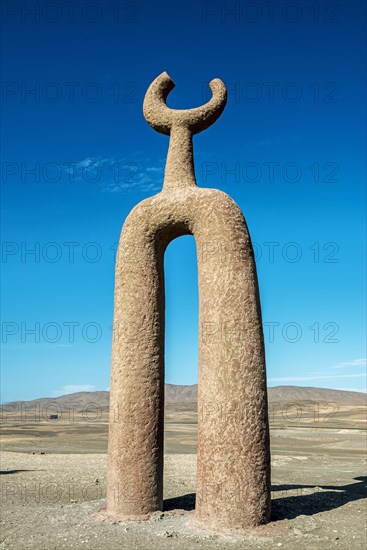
[289, 148]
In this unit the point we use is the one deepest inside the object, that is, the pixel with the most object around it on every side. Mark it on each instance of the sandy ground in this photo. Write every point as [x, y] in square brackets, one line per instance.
[49, 500]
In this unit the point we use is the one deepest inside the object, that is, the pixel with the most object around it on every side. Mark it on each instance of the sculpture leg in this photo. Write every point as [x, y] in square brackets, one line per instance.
[135, 451]
[233, 479]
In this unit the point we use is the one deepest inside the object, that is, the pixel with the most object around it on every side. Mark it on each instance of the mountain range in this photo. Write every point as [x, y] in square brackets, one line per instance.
[187, 395]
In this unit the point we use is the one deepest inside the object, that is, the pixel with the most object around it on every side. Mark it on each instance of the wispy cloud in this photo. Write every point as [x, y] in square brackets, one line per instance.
[310, 378]
[73, 388]
[155, 168]
[351, 363]
[85, 163]
[361, 390]
[135, 172]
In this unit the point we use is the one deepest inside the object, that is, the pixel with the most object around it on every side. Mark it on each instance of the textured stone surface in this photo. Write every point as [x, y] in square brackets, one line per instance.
[233, 477]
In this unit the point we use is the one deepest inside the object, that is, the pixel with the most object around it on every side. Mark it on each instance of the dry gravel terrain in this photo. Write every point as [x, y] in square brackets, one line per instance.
[53, 484]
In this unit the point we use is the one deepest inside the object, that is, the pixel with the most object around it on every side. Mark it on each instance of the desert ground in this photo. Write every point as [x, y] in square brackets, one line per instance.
[53, 476]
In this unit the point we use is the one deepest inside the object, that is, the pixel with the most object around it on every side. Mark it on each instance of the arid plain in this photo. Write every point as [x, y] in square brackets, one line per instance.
[53, 474]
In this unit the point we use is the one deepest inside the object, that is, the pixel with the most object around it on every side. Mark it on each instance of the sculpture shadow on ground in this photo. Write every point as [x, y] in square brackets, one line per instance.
[325, 499]
[328, 498]
[4, 472]
[184, 502]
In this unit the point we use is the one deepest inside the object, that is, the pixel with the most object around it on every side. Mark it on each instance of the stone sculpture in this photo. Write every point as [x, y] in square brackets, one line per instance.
[233, 475]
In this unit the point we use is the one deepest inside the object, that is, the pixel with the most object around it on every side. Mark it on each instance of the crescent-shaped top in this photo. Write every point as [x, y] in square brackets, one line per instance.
[163, 118]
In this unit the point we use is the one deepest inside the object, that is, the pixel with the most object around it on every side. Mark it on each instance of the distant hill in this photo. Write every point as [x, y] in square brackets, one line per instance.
[181, 394]
[100, 398]
[176, 395]
[298, 393]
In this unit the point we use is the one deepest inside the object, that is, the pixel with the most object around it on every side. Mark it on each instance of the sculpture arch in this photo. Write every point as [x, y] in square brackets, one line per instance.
[233, 477]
